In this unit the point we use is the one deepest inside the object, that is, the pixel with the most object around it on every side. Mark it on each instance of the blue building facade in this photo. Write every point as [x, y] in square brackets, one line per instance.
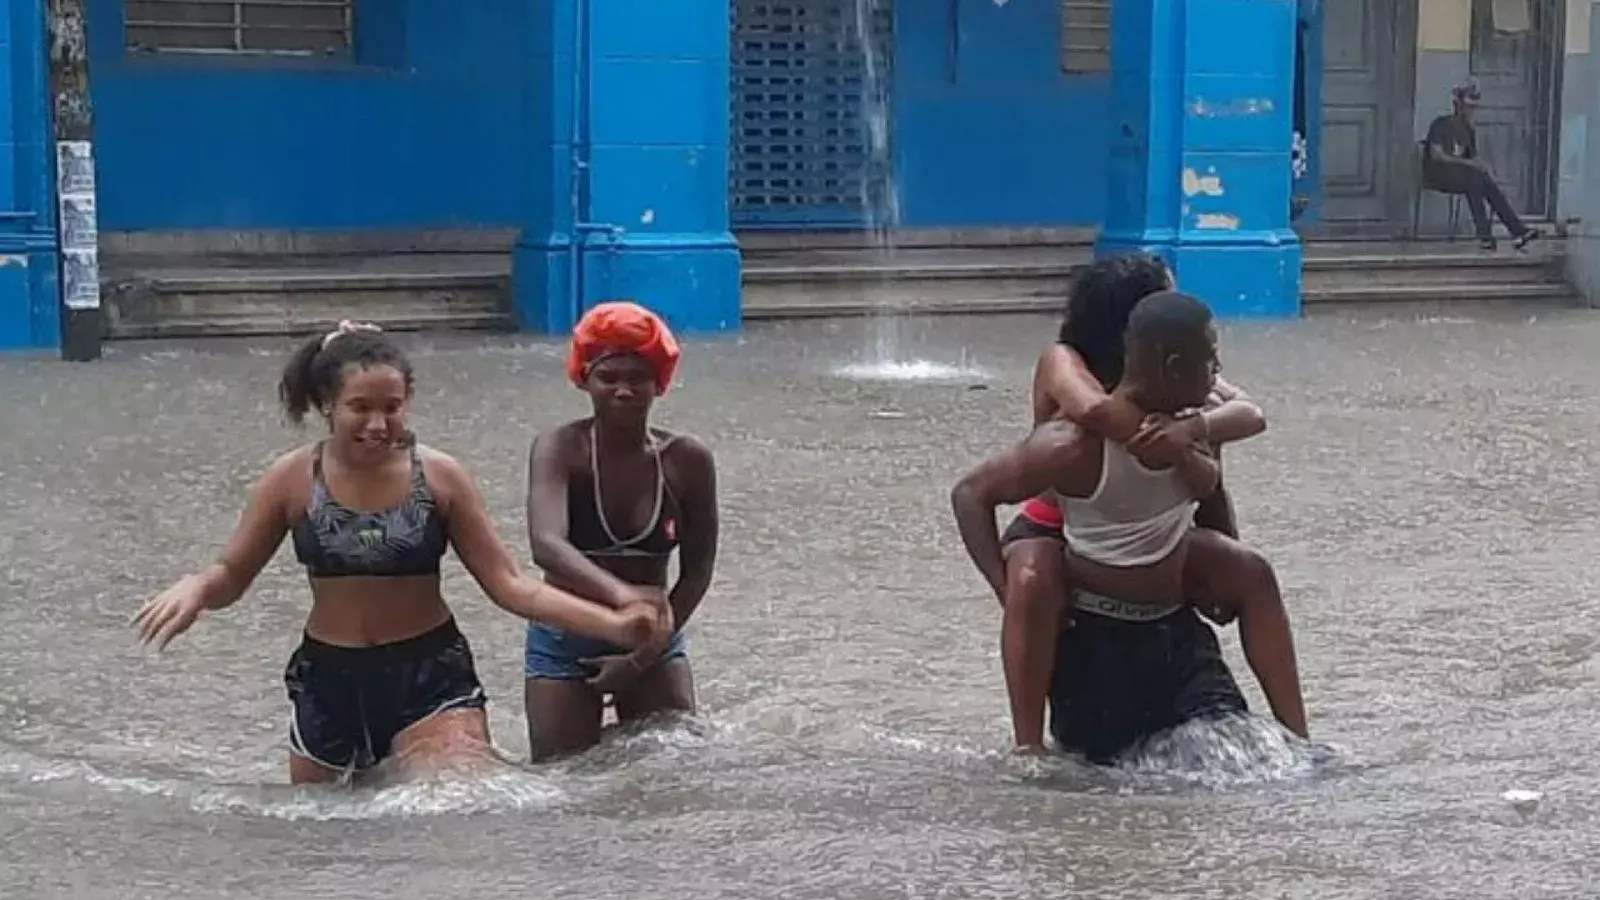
[29, 296]
[629, 143]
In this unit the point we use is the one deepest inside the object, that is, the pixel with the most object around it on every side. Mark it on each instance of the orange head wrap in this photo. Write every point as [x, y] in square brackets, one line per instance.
[621, 327]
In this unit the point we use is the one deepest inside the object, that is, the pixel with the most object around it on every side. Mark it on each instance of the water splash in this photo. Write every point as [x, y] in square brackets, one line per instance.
[1224, 752]
[1217, 754]
[910, 370]
[506, 789]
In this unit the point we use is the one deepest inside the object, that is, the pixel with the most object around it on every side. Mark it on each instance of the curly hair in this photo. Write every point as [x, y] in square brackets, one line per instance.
[1103, 295]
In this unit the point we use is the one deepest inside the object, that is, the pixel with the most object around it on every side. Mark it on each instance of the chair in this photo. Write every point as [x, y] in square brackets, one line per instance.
[1422, 187]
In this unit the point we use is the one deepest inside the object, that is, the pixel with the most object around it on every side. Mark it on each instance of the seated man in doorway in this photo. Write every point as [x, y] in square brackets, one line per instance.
[1452, 166]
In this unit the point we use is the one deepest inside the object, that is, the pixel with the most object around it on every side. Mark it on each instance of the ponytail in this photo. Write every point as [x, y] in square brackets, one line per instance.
[314, 375]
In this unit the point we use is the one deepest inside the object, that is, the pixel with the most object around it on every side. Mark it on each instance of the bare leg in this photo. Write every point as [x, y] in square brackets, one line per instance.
[452, 740]
[1222, 575]
[304, 771]
[563, 717]
[666, 688]
[1035, 603]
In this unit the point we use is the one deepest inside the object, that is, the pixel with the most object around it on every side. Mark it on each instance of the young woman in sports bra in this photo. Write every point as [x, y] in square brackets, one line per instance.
[1072, 381]
[382, 671]
[609, 500]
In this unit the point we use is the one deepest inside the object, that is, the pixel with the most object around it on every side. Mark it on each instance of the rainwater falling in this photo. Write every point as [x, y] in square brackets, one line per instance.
[880, 192]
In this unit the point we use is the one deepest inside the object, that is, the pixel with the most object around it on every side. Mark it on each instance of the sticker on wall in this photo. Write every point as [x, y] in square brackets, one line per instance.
[79, 229]
[75, 167]
[79, 225]
[80, 279]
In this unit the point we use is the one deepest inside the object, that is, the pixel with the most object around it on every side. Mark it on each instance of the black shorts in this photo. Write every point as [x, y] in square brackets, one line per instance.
[349, 703]
[1022, 528]
[1118, 683]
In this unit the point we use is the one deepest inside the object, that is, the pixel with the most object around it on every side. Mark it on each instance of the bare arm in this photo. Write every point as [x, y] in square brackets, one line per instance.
[1216, 510]
[255, 539]
[698, 528]
[1200, 472]
[547, 528]
[1028, 469]
[478, 544]
[1232, 416]
[1064, 377]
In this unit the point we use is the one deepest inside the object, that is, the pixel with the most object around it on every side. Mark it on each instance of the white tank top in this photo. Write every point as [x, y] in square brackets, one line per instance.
[1136, 516]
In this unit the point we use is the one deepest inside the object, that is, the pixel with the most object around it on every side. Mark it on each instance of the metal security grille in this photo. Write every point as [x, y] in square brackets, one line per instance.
[1085, 36]
[804, 91]
[275, 27]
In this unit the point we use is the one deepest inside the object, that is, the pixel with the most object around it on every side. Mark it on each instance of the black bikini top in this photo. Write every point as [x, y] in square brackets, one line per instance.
[334, 540]
[588, 530]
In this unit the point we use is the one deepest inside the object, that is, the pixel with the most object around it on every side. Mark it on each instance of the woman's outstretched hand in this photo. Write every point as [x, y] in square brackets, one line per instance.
[169, 613]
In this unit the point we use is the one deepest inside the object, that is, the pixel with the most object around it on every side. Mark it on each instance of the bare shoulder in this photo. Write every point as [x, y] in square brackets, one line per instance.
[566, 441]
[290, 473]
[677, 446]
[1060, 438]
[286, 483]
[1055, 357]
[446, 476]
[685, 457]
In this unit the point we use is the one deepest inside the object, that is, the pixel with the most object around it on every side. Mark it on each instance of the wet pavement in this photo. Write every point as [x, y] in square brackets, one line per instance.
[1427, 490]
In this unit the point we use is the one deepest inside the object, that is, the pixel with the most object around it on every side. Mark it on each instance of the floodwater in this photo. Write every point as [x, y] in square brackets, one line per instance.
[1428, 490]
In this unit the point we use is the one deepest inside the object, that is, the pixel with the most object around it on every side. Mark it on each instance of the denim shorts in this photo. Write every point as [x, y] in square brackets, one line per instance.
[557, 654]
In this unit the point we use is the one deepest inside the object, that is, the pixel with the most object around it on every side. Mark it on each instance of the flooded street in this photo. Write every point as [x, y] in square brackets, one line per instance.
[1427, 488]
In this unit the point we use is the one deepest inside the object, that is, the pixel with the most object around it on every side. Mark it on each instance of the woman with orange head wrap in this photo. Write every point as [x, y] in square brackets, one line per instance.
[609, 499]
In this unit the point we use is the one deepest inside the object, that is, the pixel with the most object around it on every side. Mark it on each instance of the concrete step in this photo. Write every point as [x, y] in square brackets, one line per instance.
[991, 292]
[275, 301]
[472, 290]
[1411, 293]
[865, 281]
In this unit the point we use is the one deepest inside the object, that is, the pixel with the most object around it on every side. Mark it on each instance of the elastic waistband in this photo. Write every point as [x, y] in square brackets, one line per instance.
[1123, 610]
[426, 644]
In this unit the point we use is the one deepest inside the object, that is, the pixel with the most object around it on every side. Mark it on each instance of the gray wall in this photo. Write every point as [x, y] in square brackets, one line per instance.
[1580, 165]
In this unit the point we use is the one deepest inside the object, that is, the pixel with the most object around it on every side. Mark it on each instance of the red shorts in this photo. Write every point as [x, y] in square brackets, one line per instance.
[1039, 518]
[1043, 511]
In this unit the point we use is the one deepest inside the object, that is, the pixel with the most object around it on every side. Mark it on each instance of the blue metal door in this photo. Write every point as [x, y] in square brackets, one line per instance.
[810, 113]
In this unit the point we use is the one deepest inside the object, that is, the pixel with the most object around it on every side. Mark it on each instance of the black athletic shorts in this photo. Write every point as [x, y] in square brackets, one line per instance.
[349, 703]
[1120, 682]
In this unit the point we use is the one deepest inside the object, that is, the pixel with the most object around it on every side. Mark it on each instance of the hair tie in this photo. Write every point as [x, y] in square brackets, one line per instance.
[346, 326]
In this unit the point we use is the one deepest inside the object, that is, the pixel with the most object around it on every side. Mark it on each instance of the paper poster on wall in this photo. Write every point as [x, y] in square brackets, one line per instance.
[79, 228]
[80, 279]
[75, 167]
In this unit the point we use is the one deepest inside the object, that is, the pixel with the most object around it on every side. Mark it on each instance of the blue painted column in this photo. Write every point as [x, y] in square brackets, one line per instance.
[638, 129]
[29, 298]
[1203, 105]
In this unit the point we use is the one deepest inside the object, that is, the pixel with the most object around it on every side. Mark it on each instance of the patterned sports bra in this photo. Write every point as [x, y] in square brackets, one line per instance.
[334, 541]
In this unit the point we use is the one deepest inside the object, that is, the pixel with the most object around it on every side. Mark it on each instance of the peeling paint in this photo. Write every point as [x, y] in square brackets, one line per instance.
[13, 262]
[1194, 183]
[1218, 221]
[1242, 106]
